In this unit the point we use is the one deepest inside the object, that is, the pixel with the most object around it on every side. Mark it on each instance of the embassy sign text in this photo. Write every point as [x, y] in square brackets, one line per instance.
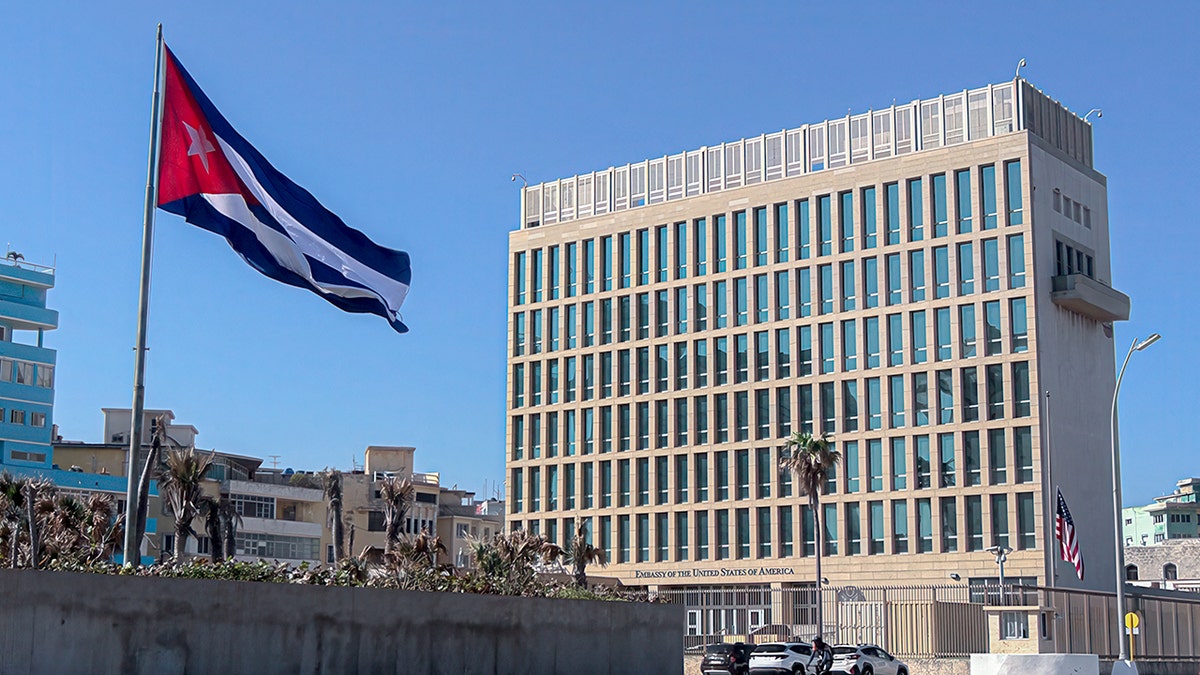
[709, 573]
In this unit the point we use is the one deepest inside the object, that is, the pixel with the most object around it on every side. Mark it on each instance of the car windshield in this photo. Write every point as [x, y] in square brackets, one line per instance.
[845, 650]
[718, 649]
[769, 648]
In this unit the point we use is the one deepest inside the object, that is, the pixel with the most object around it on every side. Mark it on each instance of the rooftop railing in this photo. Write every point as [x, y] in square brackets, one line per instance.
[917, 126]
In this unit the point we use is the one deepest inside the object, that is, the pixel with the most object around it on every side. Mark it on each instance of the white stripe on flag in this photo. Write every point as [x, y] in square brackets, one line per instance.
[389, 291]
[279, 246]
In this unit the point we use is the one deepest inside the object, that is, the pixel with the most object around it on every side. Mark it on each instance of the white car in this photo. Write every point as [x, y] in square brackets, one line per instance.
[866, 660]
[781, 658]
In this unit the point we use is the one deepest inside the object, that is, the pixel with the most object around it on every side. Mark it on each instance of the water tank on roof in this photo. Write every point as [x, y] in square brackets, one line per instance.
[288, 471]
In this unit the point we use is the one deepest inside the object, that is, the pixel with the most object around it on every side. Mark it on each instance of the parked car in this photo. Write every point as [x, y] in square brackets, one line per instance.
[782, 658]
[866, 660]
[726, 659]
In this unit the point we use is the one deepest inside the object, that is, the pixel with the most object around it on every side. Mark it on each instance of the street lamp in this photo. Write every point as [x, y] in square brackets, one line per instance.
[1137, 346]
[1001, 553]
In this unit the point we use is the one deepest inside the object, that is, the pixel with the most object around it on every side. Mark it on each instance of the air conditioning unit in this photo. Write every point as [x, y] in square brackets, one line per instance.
[118, 437]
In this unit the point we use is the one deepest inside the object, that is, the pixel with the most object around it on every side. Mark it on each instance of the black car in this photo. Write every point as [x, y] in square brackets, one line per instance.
[726, 659]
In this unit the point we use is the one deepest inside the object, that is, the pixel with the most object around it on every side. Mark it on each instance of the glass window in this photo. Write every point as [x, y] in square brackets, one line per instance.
[991, 265]
[783, 406]
[846, 216]
[949, 514]
[891, 206]
[987, 191]
[739, 239]
[997, 457]
[947, 472]
[945, 383]
[966, 269]
[1000, 520]
[804, 292]
[871, 338]
[1020, 327]
[782, 249]
[825, 223]
[1020, 384]
[681, 250]
[760, 236]
[762, 356]
[899, 463]
[1023, 454]
[720, 233]
[942, 333]
[521, 274]
[850, 405]
[894, 296]
[849, 346]
[721, 299]
[663, 249]
[991, 314]
[1016, 261]
[782, 296]
[995, 392]
[916, 211]
[962, 189]
[803, 230]
[869, 221]
[825, 284]
[1012, 187]
[896, 401]
[848, 302]
[700, 246]
[827, 363]
[870, 283]
[919, 345]
[900, 526]
[916, 274]
[921, 460]
[941, 272]
[1026, 539]
[681, 310]
[606, 263]
[920, 399]
[828, 408]
[924, 526]
[974, 513]
[970, 394]
[554, 271]
[804, 340]
[895, 338]
[761, 301]
[853, 529]
[940, 218]
[966, 327]
[741, 361]
[701, 364]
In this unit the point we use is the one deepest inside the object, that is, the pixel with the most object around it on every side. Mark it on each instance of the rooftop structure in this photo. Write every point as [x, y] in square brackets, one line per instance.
[26, 365]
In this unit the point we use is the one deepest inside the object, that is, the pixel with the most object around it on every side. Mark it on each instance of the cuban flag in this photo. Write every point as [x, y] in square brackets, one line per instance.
[212, 177]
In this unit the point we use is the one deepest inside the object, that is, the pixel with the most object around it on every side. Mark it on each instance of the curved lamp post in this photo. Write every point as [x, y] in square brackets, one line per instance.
[1137, 346]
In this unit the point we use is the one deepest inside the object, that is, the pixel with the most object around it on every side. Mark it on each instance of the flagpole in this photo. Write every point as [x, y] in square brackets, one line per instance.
[132, 554]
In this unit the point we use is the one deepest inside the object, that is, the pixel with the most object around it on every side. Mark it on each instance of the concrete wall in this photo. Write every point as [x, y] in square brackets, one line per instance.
[56, 622]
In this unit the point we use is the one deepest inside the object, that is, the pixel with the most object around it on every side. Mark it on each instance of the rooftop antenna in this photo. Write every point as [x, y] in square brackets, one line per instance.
[1020, 64]
[515, 176]
[274, 461]
[1099, 113]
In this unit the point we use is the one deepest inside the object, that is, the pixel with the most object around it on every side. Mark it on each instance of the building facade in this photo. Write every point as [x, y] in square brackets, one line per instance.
[929, 284]
[26, 367]
[1170, 517]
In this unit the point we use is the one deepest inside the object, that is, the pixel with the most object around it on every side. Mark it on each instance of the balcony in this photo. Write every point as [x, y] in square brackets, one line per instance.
[28, 317]
[1084, 295]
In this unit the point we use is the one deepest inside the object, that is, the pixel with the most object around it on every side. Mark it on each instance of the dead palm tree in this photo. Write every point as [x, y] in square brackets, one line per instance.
[398, 496]
[230, 519]
[158, 440]
[210, 507]
[180, 483]
[580, 554]
[810, 458]
[331, 482]
[12, 496]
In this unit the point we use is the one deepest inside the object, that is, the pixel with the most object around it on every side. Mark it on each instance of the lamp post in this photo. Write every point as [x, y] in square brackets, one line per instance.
[1001, 553]
[1137, 346]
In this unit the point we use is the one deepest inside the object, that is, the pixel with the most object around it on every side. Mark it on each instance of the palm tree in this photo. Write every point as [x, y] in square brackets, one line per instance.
[810, 458]
[230, 519]
[180, 484]
[580, 554]
[398, 496]
[331, 481]
[158, 439]
[12, 493]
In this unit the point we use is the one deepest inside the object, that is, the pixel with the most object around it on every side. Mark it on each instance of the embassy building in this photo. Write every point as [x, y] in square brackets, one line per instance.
[929, 284]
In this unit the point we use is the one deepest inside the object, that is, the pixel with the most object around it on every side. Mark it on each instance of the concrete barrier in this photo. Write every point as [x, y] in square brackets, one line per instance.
[57, 622]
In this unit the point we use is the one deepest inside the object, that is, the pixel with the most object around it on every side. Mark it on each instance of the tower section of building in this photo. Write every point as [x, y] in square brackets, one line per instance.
[928, 284]
[26, 365]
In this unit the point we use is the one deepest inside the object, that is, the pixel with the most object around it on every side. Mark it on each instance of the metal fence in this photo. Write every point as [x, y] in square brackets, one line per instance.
[934, 621]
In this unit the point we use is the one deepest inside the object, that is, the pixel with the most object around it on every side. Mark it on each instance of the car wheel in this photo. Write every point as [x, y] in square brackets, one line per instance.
[798, 670]
[867, 670]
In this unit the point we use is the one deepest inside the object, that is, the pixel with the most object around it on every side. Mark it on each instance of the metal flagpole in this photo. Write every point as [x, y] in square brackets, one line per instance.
[132, 554]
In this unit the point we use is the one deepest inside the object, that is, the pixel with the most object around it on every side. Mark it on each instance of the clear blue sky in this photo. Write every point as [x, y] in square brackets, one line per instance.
[407, 119]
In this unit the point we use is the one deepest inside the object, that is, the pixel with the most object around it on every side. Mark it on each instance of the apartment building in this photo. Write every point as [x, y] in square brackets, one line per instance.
[928, 283]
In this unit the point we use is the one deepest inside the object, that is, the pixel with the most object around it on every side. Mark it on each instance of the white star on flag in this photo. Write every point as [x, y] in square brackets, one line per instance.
[200, 145]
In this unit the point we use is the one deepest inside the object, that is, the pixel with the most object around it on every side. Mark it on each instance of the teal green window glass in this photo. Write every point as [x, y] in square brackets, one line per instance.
[987, 191]
[1013, 196]
[940, 218]
[870, 221]
[891, 205]
[803, 230]
[870, 283]
[846, 216]
[782, 245]
[916, 211]
[825, 224]
[739, 239]
[962, 190]
[760, 236]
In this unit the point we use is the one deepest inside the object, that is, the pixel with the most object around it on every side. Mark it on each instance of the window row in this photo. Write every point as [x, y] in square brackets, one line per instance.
[974, 458]
[899, 401]
[23, 417]
[939, 335]
[881, 527]
[913, 210]
[27, 372]
[787, 294]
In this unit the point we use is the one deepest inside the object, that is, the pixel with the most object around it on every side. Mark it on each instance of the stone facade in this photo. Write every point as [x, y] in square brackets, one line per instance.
[1151, 562]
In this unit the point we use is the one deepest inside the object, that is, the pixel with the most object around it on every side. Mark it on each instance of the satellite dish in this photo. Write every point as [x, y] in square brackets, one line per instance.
[851, 594]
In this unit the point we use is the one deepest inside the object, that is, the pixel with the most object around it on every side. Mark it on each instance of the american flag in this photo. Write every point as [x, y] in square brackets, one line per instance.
[1064, 529]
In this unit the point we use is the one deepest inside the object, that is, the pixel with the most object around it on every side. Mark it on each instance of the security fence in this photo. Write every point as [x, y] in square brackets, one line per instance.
[936, 621]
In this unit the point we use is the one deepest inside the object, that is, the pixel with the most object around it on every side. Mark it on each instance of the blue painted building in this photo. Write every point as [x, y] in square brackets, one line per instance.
[26, 365]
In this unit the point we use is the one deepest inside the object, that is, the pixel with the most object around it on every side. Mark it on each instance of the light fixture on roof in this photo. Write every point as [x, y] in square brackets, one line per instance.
[1098, 112]
[1020, 64]
[524, 182]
